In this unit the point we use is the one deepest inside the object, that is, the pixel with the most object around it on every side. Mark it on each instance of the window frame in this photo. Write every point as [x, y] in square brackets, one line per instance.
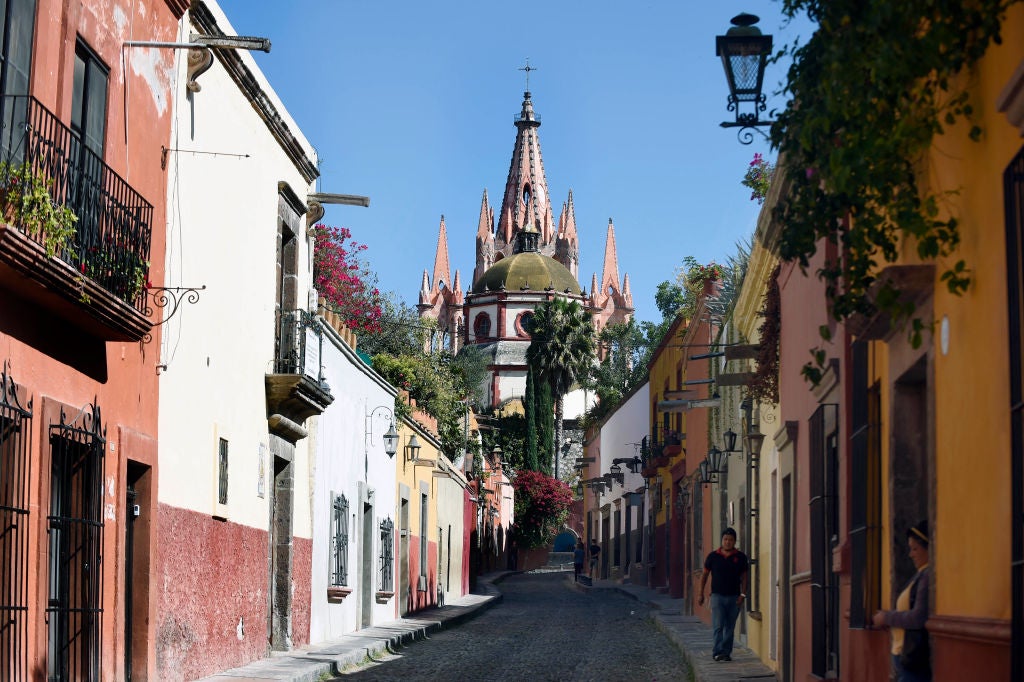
[339, 540]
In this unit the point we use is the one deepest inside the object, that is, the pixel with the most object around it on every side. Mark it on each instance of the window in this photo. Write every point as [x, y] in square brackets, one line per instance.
[824, 510]
[482, 326]
[74, 609]
[866, 493]
[524, 325]
[1013, 180]
[89, 99]
[15, 428]
[339, 540]
[88, 125]
[387, 556]
[17, 18]
[424, 509]
[222, 467]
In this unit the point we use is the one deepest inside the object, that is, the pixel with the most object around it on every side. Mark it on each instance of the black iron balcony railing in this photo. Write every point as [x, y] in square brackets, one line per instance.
[299, 345]
[111, 237]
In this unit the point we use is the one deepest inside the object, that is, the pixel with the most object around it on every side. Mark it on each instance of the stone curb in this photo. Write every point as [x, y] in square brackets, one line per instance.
[353, 649]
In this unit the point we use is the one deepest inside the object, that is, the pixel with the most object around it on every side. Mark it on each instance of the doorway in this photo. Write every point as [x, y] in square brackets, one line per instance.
[785, 576]
[366, 577]
[403, 558]
[281, 549]
[138, 525]
[909, 493]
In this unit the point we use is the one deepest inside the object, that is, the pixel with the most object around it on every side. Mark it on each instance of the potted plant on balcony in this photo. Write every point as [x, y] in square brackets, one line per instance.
[116, 267]
[26, 203]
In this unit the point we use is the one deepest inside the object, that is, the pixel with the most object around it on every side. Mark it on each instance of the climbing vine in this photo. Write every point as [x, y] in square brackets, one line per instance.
[765, 385]
[869, 91]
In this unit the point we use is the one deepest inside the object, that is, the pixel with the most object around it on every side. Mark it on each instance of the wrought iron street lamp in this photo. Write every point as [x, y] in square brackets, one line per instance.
[717, 460]
[744, 52]
[703, 469]
[390, 437]
[756, 440]
[496, 455]
[730, 440]
[412, 448]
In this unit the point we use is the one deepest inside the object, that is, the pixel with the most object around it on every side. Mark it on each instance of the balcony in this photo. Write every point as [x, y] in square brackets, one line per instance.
[91, 269]
[297, 389]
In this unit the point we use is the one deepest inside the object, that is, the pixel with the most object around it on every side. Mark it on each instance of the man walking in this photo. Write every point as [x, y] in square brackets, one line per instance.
[595, 555]
[727, 567]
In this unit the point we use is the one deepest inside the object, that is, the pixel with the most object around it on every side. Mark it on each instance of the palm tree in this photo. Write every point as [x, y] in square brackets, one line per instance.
[561, 352]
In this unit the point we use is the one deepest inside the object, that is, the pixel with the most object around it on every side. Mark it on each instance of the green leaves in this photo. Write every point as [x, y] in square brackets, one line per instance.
[870, 90]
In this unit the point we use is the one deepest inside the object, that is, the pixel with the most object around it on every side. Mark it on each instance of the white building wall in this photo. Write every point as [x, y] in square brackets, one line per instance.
[351, 462]
[222, 234]
[626, 425]
[512, 383]
[491, 310]
[451, 521]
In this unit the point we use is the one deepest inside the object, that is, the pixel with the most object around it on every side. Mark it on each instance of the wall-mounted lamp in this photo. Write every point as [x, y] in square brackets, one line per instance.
[755, 439]
[390, 437]
[316, 200]
[704, 473]
[717, 460]
[744, 52]
[730, 440]
[412, 449]
[496, 455]
[200, 59]
[634, 463]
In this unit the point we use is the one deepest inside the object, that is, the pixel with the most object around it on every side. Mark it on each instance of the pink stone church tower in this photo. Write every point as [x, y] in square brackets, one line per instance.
[501, 296]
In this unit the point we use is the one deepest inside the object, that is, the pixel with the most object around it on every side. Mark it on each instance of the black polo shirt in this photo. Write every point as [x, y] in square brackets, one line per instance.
[726, 571]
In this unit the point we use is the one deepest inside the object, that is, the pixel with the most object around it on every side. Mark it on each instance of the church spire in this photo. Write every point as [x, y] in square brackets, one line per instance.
[610, 273]
[526, 189]
[442, 270]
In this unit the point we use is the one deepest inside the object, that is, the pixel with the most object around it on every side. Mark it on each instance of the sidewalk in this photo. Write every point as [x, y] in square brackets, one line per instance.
[692, 636]
[312, 663]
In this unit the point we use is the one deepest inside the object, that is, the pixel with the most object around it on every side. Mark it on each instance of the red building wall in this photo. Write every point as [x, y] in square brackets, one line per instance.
[58, 365]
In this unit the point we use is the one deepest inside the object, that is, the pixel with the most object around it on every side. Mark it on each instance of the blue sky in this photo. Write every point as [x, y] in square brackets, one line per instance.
[411, 103]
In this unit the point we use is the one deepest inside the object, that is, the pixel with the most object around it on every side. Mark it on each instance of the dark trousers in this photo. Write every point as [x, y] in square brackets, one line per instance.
[724, 612]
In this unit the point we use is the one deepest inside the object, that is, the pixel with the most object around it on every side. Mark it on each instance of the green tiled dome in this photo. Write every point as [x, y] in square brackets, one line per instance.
[527, 270]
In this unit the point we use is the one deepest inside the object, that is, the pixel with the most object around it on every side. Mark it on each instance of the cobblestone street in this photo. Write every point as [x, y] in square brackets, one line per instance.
[544, 629]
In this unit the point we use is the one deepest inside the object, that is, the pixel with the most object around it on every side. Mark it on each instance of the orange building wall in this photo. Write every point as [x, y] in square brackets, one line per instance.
[56, 365]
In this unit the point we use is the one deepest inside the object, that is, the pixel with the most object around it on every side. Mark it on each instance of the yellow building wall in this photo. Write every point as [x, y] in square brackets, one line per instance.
[747, 321]
[971, 465]
[662, 368]
[412, 475]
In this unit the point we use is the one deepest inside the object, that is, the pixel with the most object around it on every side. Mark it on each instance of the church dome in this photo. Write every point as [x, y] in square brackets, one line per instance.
[527, 270]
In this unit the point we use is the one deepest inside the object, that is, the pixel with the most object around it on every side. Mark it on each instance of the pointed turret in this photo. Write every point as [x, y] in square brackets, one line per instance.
[485, 223]
[610, 272]
[526, 189]
[425, 289]
[440, 298]
[567, 246]
[442, 270]
[613, 303]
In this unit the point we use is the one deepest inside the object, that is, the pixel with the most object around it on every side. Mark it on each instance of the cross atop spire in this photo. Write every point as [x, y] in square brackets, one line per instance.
[527, 69]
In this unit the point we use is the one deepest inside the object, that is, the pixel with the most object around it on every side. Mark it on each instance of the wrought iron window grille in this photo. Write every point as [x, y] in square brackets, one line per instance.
[15, 460]
[74, 609]
[339, 541]
[387, 556]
